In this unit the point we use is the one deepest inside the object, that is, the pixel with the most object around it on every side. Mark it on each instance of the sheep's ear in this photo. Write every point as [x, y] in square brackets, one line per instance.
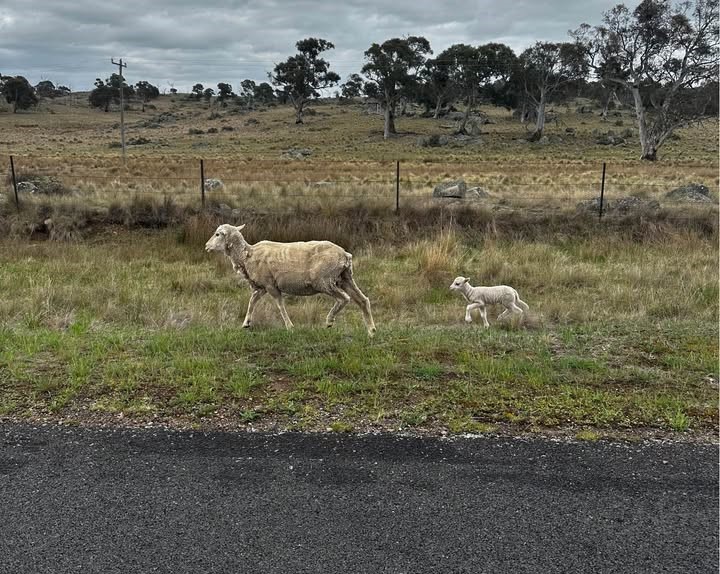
[241, 227]
[467, 279]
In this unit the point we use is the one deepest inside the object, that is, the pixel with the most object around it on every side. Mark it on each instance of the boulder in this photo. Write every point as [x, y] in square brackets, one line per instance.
[433, 141]
[454, 189]
[26, 187]
[692, 192]
[213, 184]
[625, 204]
[473, 127]
[297, 153]
[477, 193]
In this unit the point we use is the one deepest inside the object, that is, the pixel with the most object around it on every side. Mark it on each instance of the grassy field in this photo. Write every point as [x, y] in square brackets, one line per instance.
[124, 324]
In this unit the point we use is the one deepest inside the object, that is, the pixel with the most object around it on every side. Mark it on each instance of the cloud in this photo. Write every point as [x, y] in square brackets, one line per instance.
[183, 42]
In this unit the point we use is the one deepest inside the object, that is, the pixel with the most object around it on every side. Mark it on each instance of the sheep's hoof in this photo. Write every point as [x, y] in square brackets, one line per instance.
[246, 325]
[468, 320]
[328, 325]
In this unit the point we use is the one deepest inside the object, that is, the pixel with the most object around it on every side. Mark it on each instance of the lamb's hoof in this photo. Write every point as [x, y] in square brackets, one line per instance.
[468, 321]
[328, 325]
[371, 332]
[246, 325]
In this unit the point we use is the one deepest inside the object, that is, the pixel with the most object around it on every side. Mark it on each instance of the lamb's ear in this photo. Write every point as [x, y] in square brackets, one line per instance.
[467, 280]
[241, 227]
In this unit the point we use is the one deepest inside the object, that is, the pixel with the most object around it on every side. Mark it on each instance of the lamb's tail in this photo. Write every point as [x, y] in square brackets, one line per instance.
[520, 303]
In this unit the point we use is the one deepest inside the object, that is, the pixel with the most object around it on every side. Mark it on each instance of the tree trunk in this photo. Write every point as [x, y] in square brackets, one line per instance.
[523, 112]
[438, 107]
[468, 109]
[606, 107]
[389, 122]
[540, 122]
[648, 143]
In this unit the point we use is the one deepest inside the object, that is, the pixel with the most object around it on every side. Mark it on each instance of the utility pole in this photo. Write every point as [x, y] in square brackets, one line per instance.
[120, 66]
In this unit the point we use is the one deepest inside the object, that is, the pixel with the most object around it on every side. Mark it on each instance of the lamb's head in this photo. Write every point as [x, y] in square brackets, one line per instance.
[458, 283]
[224, 238]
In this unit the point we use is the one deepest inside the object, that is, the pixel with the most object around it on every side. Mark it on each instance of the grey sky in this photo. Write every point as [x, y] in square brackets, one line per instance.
[183, 42]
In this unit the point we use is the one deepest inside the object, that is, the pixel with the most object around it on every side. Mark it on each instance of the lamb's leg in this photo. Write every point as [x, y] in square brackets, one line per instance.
[523, 306]
[341, 299]
[280, 302]
[348, 285]
[504, 314]
[471, 307]
[254, 298]
[483, 314]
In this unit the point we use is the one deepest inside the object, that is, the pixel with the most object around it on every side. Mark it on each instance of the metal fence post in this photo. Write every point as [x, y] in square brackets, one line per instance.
[602, 192]
[397, 186]
[202, 183]
[14, 182]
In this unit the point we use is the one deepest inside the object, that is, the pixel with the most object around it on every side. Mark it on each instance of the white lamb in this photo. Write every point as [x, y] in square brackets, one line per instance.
[481, 297]
[299, 268]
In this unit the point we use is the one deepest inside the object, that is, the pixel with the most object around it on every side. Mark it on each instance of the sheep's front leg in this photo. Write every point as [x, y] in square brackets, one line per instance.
[280, 302]
[254, 298]
[469, 308]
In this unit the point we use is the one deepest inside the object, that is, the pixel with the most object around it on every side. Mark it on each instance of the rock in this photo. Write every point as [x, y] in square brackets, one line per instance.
[138, 141]
[297, 153]
[195, 132]
[478, 193]
[625, 204]
[627, 133]
[456, 189]
[473, 126]
[42, 184]
[228, 128]
[26, 187]
[213, 184]
[583, 110]
[609, 138]
[544, 140]
[252, 122]
[212, 130]
[455, 116]
[570, 131]
[433, 141]
[692, 192]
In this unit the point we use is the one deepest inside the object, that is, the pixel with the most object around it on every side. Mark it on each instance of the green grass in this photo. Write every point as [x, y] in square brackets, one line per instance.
[148, 326]
[478, 378]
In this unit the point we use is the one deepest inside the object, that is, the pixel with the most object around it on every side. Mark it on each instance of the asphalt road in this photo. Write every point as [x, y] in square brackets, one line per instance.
[79, 500]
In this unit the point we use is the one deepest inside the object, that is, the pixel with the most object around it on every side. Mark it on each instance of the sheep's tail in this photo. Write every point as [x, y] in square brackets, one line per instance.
[520, 303]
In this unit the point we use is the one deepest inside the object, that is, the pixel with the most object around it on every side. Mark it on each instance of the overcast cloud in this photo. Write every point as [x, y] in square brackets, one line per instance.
[182, 42]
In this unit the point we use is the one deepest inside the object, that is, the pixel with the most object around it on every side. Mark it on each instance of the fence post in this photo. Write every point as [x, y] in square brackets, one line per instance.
[14, 182]
[397, 186]
[602, 192]
[202, 183]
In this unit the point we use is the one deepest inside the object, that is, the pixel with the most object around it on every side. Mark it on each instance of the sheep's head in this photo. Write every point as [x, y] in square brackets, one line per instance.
[458, 283]
[224, 238]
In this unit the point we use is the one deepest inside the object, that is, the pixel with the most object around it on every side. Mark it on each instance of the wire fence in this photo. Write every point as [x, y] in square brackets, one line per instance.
[392, 183]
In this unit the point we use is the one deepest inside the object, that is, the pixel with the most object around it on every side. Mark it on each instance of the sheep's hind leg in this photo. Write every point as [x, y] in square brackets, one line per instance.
[341, 299]
[348, 285]
[280, 302]
[254, 298]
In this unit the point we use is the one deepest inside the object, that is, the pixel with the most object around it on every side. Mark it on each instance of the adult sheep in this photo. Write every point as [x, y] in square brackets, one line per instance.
[298, 268]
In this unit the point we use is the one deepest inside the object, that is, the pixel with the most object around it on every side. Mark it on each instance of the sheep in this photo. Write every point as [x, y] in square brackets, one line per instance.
[480, 297]
[298, 268]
